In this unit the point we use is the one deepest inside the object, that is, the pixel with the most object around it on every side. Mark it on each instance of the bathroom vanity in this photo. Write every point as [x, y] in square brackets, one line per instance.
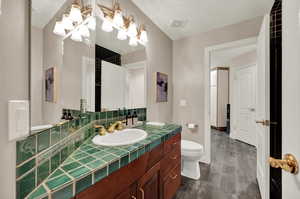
[156, 174]
[148, 169]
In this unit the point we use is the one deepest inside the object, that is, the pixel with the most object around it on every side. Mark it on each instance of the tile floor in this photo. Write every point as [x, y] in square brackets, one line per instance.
[231, 175]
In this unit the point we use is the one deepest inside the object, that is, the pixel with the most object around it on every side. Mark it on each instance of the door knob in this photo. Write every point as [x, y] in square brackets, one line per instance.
[289, 163]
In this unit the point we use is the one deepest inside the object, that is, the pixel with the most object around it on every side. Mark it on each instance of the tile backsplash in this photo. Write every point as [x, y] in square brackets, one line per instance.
[40, 154]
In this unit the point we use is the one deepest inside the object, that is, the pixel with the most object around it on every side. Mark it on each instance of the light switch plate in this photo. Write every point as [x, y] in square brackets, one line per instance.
[18, 119]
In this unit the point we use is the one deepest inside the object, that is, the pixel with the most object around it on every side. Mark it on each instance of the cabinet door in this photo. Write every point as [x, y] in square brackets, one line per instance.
[129, 193]
[171, 183]
[213, 106]
[149, 184]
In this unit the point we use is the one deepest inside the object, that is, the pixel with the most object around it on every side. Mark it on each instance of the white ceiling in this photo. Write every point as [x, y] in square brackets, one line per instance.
[44, 10]
[194, 16]
[222, 57]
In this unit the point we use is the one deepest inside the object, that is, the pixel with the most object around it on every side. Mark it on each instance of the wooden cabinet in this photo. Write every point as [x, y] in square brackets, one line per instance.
[149, 184]
[219, 96]
[154, 175]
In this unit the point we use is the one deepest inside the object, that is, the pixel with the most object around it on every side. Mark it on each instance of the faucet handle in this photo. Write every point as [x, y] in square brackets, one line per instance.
[101, 128]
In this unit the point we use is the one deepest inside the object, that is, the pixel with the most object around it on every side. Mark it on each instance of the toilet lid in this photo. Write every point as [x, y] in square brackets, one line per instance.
[191, 146]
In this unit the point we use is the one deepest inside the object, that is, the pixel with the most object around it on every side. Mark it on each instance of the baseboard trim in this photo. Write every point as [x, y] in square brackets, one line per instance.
[219, 128]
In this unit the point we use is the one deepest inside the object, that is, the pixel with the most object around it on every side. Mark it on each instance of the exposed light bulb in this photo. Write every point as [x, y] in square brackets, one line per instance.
[143, 37]
[132, 31]
[118, 18]
[133, 41]
[92, 23]
[84, 31]
[122, 35]
[59, 29]
[67, 22]
[76, 36]
[107, 26]
[75, 14]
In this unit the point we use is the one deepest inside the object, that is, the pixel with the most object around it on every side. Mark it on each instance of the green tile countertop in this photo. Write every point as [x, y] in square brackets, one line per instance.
[91, 163]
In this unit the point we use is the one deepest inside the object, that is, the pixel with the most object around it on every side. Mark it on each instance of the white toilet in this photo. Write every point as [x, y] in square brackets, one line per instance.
[191, 152]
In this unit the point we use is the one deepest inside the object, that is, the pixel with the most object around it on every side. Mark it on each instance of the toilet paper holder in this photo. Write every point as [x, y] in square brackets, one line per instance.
[191, 125]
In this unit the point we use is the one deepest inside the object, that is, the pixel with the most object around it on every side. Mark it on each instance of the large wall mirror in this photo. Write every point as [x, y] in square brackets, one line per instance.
[76, 61]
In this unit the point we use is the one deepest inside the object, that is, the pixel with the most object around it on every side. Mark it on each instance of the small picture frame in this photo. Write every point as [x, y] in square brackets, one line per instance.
[51, 85]
[161, 87]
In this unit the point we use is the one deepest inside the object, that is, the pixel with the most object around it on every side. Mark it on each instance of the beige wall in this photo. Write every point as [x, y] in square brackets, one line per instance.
[188, 72]
[13, 81]
[36, 76]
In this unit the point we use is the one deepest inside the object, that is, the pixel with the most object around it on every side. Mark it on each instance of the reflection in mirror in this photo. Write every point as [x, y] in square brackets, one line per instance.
[92, 71]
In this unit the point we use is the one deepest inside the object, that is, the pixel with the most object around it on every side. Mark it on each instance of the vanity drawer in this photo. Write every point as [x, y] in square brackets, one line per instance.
[171, 183]
[172, 143]
[170, 161]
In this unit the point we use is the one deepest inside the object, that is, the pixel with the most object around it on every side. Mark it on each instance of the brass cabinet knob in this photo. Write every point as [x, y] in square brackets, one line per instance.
[289, 163]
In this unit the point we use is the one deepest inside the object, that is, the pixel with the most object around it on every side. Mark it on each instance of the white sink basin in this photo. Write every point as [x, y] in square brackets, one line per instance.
[119, 138]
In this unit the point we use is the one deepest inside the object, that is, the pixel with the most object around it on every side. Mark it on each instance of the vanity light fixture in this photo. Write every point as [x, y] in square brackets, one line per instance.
[107, 25]
[75, 14]
[126, 26]
[118, 17]
[59, 29]
[76, 36]
[67, 22]
[77, 23]
[133, 41]
[122, 35]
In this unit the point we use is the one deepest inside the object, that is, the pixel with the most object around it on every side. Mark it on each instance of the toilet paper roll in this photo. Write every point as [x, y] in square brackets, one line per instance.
[191, 126]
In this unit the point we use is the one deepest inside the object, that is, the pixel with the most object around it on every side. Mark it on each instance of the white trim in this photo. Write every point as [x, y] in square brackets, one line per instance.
[207, 53]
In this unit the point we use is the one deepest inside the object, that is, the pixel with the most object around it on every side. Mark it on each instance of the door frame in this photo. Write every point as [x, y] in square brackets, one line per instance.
[233, 111]
[207, 60]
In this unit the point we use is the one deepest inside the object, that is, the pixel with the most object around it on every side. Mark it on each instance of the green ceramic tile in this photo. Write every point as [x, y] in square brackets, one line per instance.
[100, 154]
[64, 130]
[71, 166]
[56, 173]
[87, 160]
[26, 149]
[100, 174]
[42, 171]
[55, 161]
[113, 167]
[83, 183]
[58, 182]
[103, 115]
[109, 158]
[78, 156]
[38, 193]
[43, 140]
[96, 164]
[133, 155]
[77, 173]
[142, 151]
[155, 143]
[147, 147]
[55, 135]
[92, 151]
[117, 152]
[124, 161]
[25, 167]
[65, 193]
[109, 115]
[64, 154]
[25, 185]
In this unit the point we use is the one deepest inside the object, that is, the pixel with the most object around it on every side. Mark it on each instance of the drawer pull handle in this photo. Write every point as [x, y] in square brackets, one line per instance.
[143, 193]
[174, 157]
[133, 197]
[174, 177]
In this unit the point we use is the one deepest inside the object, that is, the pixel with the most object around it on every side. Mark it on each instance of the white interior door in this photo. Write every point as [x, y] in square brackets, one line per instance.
[291, 93]
[245, 104]
[262, 110]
